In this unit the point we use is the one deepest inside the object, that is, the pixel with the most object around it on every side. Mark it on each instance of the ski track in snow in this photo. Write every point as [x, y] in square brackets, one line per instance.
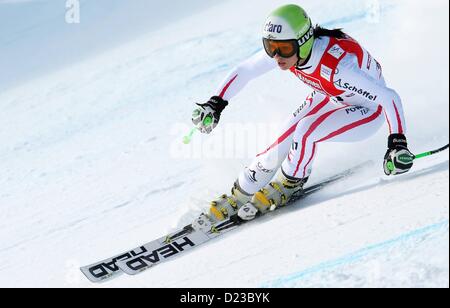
[435, 232]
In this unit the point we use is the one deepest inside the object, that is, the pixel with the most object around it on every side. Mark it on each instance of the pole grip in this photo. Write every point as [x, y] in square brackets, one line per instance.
[206, 122]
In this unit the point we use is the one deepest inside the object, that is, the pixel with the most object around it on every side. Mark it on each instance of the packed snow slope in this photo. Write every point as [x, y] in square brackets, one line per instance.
[92, 163]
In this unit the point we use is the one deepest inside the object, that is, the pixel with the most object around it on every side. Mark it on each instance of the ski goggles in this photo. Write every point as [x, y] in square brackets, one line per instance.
[284, 49]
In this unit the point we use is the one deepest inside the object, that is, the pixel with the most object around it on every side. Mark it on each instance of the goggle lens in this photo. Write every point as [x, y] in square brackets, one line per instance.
[284, 49]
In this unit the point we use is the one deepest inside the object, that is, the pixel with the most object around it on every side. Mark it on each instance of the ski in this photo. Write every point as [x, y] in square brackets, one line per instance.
[174, 244]
[107, 269]
[171, 246]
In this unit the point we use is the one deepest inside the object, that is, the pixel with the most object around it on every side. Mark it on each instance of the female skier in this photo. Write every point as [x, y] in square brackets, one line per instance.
[350, 102]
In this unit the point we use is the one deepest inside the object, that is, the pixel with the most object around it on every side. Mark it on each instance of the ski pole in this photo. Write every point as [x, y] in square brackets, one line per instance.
[391, 166]
[431, 152]
[188, 138]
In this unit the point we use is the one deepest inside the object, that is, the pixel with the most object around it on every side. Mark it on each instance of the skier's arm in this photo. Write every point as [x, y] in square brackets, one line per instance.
[398, 158]
[374, 93]
[240, 76]
[236, 80]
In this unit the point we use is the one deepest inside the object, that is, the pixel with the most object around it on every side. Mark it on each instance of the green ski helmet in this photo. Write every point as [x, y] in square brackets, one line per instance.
[290, 22]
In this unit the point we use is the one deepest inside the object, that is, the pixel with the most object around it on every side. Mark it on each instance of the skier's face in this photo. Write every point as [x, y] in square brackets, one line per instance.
[286, 63]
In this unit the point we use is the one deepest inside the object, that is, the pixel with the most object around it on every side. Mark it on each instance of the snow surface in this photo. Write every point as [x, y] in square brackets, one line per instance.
[92, 164]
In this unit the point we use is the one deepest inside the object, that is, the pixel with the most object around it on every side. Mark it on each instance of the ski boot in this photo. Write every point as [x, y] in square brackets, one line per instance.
[273, 196]
[222, 208]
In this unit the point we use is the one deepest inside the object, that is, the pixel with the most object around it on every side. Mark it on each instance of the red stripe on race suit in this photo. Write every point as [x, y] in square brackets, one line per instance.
[399, 120]
[388, 122]
[310, 159]
[291, 130]
[311, 129]
[224, 90]
[342, 130]
[318, 107]
[350, 45]
[280, 139]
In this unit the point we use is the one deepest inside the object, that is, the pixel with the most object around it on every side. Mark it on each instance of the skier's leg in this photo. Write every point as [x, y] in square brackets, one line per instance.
[333, 123]
[263, 168]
